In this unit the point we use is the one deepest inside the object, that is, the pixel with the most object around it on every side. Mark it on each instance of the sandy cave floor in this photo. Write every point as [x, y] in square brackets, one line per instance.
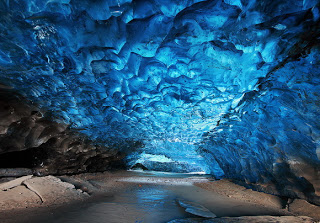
[127, 196]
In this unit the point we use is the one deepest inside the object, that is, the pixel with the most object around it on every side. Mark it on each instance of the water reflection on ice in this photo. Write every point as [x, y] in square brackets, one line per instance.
[147, 200]
[140, 204]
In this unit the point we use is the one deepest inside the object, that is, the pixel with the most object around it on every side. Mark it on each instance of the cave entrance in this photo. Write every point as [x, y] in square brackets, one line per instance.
[162, 163]
[18, 159]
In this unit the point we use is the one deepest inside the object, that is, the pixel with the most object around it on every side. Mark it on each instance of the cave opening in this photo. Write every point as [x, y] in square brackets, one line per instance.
[18, 159]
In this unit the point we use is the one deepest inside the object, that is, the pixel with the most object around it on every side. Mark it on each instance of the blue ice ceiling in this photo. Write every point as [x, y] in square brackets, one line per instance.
[159, 71]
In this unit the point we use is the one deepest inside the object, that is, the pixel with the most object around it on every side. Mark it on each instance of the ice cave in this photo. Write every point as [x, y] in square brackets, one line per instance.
[228, 89]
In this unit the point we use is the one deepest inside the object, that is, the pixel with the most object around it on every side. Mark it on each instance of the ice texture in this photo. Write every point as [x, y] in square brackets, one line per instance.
[233, 82]
[273, 135]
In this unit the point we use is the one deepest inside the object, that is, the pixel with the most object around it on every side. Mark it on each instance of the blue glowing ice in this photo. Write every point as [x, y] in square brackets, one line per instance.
[176, 75]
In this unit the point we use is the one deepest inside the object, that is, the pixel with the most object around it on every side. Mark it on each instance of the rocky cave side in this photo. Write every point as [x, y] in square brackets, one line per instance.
[30, 142]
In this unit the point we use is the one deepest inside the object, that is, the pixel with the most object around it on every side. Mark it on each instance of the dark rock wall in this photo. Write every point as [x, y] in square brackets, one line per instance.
[28, 138]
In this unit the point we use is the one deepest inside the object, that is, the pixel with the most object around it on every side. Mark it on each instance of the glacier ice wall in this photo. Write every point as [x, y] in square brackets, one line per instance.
[232, 82]
[272, 137]
[141, 69]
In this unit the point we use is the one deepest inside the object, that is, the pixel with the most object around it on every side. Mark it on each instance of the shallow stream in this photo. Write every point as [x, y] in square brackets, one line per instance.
[150, 203]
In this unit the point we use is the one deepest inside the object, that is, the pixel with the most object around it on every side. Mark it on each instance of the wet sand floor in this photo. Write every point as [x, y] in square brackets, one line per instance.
[154, 203]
